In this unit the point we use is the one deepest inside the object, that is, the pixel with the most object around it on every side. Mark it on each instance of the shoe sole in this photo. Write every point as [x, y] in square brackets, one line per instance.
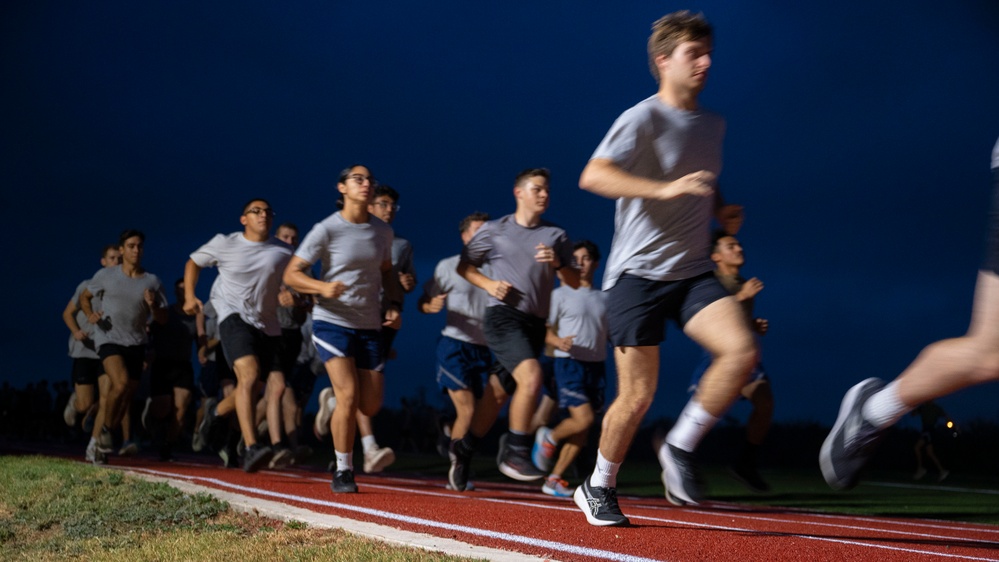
[579, 498]
[512, 472]
[555, 493]
[450, 481]
[825, 453]
[677, 493]
[281, 459]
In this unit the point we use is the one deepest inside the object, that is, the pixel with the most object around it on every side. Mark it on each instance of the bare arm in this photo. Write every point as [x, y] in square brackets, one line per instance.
[296, 279]
[85, 305]
[393, 293]
[192, 305]
[69, 317]
[605, 178]
[497, 289]
[428, 305]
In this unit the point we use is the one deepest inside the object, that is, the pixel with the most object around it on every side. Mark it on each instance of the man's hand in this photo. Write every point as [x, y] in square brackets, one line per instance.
[545, 254]
[193, 306]
[436, 304]
[80, 335]
[761, 325]
[749, 289]
[393, 319]
[286, 298]
[333, 290]
[499, 289]
[564, 344]
[700, 183]
[408, 281]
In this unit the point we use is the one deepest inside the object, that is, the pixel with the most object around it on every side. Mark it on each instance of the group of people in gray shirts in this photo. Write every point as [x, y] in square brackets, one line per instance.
[660, 161]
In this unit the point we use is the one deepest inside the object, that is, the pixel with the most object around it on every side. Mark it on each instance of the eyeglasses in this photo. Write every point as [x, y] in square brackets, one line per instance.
[388, 205]
[360, 178]
[259, 210]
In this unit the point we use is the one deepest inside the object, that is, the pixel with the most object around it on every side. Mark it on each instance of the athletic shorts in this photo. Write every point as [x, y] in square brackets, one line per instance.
[637, 308]
[302, 381]
[208, 382]
[513, 336]
[289, 346]
[168, 374]
[462, 365]
[388, 338]
[240, 339]
[580, 382]
[133, 356]
[86, 371]
[758, 373]
[364, 346]
[549, 387]
[991, 261]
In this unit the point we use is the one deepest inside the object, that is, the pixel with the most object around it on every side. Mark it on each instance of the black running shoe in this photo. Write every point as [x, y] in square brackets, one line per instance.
[343, 482]
[680, 474]
[461, 464]
[599, 504]
[105, 441]
[517, 464]
[747, 474]
[256, 457]
[852, 441]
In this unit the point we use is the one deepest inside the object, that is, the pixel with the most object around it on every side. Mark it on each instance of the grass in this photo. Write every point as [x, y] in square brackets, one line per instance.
[53, 509]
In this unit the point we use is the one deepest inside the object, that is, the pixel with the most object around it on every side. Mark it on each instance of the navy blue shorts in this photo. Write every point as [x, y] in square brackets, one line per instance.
[86, 371]
[240, 339]
[580, 382]
[364, 346]
[133, 355]
[462, 365]
[549, 387]
[637, 308]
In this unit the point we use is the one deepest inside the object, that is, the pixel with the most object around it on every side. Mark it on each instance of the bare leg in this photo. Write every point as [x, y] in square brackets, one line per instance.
[760, 396]
[464, 407]
[637, 377]
[247, 371]
[721, 329]
[343, 422]
[275, 389]
[525, 398]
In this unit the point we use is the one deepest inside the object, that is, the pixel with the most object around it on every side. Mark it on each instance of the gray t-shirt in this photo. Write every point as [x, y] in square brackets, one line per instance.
[211, 327]
[352, 254]
[83, 349]
[465, 303]
[509, 250]
[995, 156]
[123, 308]
[581, 312]
[654, 239]
[402, 262]
[249, 278]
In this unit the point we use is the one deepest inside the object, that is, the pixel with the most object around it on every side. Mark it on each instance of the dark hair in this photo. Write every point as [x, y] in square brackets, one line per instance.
[718, 235]
[345, 173]
[384, 189]
[108, 248]
[590, 248]
[288, 225]
[530, 173]
[246, 206]
[467, 221]
[130, 233]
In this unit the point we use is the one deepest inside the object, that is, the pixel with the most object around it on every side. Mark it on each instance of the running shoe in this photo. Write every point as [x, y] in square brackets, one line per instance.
[543, 453]
[69, 412]
[461, 464]
[343, 482]
[105, 441]
[853, 440]
[228, 456]
[557, 487]
[680, 474]
[202, 433]
[128, 449]
[91, 451]
[599, 504]
[377, 459]
[283, 457]
[746, 473]
[517, 465]
[256, 457]
[327, 403]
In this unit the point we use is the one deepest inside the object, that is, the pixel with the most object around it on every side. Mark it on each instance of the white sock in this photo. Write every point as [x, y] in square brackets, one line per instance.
[368, 443]
[692, 425]
[93, 441]
[605, 473]
[344, 461]
[885, 407]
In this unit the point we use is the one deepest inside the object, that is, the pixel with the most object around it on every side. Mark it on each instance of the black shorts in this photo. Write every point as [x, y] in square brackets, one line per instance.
[991, 260]
[86, 371]
[637, 308]
[133, 356]
[513, 336]
[240, 339]
[303, 380]
[168, 374]
[289, 346]
[388, 338]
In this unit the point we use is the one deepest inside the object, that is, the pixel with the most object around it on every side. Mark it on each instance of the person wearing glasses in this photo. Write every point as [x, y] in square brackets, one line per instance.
[245, 298]
[355, 251]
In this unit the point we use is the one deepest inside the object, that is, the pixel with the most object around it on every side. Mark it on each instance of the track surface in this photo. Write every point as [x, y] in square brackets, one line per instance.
[518, 518]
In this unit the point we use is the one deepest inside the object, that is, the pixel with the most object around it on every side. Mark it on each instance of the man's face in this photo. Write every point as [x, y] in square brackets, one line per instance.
[384, 208]
[469, 233]
[687, 67]
[357, 186]
[728, 252]
[258, 218]
[131, 250]
[111, 258]
[287, 235]
[532, 194]
[587, 265]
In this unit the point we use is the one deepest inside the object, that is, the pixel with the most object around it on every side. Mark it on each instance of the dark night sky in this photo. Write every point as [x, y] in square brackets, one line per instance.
[859, 141]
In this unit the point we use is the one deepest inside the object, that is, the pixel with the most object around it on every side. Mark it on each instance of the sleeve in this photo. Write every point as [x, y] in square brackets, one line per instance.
[435, 285]
[208, 254]
[96, 283]
[620, 141]
[554, 311]
[161, 297]
[476, 252]
[314, 243]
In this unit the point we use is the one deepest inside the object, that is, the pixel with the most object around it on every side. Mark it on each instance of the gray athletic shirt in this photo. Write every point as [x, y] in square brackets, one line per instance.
[995, 156]
[402, 262]
[249, 278]
[465, 303]
[653, 239]
[83, 349]
[509, 250]
[352, 254]
[123, 308]
[581, 312]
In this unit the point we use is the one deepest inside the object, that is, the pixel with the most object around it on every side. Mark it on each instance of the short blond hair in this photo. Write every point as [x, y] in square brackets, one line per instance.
[673, 29]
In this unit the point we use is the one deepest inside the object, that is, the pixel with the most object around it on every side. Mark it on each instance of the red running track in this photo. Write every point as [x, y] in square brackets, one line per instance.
[519, 518]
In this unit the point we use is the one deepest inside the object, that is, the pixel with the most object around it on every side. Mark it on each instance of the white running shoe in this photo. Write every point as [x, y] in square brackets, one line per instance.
[375, 460]
[69, 412]
[327, 403]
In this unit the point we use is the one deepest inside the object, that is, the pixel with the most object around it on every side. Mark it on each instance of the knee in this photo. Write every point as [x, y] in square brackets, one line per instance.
[633, 404]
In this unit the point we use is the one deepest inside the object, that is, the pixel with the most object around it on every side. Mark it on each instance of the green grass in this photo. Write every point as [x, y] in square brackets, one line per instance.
[53, 509]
